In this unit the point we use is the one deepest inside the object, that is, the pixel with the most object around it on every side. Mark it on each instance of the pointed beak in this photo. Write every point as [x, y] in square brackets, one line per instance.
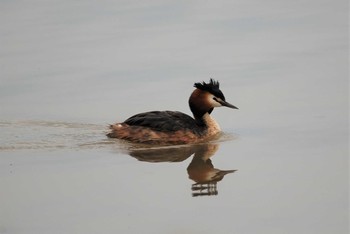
[224, 103]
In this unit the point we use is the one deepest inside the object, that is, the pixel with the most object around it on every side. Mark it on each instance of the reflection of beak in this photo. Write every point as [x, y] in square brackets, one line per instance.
[224, 103]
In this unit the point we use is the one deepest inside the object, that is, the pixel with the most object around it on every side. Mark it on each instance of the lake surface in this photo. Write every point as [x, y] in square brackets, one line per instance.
[68, 69]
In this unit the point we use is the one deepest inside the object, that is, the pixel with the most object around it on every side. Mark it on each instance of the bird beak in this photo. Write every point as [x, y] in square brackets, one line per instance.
[224, 103]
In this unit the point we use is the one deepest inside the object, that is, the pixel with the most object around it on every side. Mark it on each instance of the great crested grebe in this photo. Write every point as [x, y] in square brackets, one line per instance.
[173, 127]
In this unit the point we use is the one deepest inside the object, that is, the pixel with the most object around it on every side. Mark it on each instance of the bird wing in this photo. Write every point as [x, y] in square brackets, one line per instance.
[163, 120]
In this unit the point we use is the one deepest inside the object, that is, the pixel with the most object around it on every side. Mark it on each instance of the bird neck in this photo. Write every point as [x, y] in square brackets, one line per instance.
[211, 125]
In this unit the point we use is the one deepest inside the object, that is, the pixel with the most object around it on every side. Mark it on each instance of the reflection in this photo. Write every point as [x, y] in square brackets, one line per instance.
[162, 154]
[201, 169]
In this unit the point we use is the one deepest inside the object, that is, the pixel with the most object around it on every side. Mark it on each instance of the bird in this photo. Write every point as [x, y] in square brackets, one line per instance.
[174, 127]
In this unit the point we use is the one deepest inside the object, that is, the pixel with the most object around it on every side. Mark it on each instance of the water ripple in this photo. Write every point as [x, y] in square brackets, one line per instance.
[23, 135]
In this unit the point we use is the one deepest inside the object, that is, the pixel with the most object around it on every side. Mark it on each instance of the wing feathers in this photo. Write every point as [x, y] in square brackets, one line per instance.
[163, 120]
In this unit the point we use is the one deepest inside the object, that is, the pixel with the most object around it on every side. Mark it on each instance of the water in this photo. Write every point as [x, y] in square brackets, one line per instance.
[68, 69]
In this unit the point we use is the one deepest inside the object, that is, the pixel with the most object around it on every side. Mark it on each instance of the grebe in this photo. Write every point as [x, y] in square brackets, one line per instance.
[173, 127]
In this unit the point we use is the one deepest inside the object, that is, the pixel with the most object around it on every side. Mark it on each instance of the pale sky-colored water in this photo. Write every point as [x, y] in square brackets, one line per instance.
[70, 68]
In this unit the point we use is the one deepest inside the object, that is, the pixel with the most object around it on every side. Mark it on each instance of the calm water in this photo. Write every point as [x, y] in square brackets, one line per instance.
[68, 69]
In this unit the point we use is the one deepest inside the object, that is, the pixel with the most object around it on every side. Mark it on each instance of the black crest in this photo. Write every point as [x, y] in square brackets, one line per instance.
[211, 87]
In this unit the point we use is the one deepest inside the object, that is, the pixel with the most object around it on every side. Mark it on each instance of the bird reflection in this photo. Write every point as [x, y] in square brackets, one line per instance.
[201, 169]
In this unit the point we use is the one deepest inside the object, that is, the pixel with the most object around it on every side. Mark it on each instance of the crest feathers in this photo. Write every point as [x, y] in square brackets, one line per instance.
[211, 87]
[208, 86]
